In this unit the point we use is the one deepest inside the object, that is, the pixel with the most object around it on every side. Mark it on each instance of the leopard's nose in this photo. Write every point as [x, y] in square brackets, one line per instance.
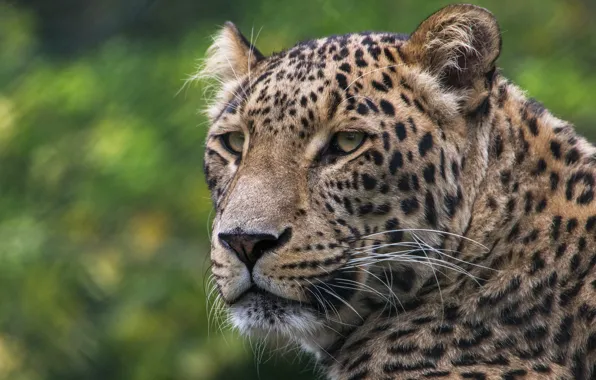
[251, 246]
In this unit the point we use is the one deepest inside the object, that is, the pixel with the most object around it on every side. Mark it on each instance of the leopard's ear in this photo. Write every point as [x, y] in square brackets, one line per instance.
[231, 55]
[459, 44]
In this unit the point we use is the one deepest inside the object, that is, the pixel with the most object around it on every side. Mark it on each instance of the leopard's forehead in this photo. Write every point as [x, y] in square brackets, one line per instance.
[296, 89]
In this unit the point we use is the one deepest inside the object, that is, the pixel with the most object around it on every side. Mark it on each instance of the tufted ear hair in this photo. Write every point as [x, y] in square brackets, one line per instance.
[230, 56]
[459, 43]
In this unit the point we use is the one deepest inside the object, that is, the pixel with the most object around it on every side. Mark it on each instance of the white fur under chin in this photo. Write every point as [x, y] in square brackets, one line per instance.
[253, 316]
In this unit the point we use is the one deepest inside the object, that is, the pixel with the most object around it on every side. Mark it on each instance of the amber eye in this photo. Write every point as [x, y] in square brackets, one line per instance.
[346, 142]
[233, 141]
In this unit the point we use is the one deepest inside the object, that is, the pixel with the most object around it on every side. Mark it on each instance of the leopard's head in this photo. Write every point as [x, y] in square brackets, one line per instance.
[333, 164]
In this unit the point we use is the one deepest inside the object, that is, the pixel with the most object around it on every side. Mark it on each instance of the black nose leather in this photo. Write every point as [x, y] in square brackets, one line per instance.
[250, 246]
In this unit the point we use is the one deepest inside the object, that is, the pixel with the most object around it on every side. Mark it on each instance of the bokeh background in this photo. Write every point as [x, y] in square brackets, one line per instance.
[104, 214]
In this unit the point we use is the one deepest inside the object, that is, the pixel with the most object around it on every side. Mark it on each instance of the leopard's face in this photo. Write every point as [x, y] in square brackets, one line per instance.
[316, 157]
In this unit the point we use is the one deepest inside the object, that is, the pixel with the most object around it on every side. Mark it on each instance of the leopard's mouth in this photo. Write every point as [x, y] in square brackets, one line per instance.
[257, 292]
[258, 312]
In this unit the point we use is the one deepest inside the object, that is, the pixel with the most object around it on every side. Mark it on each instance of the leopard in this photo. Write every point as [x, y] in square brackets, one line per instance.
[395, 206]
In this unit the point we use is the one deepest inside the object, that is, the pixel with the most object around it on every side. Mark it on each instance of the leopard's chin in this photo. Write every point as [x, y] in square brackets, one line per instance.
[262, 314]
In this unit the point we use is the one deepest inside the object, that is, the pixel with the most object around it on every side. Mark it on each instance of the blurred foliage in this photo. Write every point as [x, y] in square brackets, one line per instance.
[104, 215]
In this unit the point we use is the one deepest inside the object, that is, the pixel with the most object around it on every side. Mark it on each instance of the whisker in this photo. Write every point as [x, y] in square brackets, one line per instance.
[418, 241]
[390, 289]
[414, 259]
[333, 294]
[428, 230]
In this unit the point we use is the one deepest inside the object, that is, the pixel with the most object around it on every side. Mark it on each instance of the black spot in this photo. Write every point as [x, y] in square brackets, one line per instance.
[362, 109]
[581, 244]
[303, 101]
[528, 200]
[360, 62]
[590, 223]
[379, 86]
[540, 167]
[341, 80]
[514, 233]
[394, 235]
[571, 224]
[492, 203]
[572, 156]
[366, 208]
[368, 182]
[403, 183]
[430, 209]
[452, 202]
[359, 375]
[377, 157]
[348, 205]
[404, 279]
[442, 164]
[359, 361]
[465, 359]
[505, 177]
[537, 262]
[345, 67]
[578, 364]
[409, 205]
[574, 262]
[591, 342]
[393, 367]
[426, 143]
[564, 334]
[554, 181]
[334, 104]
[555, 148]
[513, 375]
[541, 368]
[433, 374]
[382, 209]
[455, 169]
[387, 108]
[400, 131]
[533, 126]
[510, 205]
[396, 162]
[588, 180]
[561, 250]
[541, 205]
[387, 80]
[419, 105]
[569, 294]
[415, 184]
[473, 375]
[412, 125]
[498, 145]
[405, 98]
[386, 141]
[536, 332]
[556, 225]
[371, 105]
[429, 173]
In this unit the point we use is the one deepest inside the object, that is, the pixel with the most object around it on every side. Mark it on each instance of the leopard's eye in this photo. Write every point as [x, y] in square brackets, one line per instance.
[346, 142]
[233, 142]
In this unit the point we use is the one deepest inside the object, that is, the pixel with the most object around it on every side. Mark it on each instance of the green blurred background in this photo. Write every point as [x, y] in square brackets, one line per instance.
[103, 210]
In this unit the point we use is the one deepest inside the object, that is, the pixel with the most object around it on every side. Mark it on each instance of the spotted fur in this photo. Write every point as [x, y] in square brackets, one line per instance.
[457, 242]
